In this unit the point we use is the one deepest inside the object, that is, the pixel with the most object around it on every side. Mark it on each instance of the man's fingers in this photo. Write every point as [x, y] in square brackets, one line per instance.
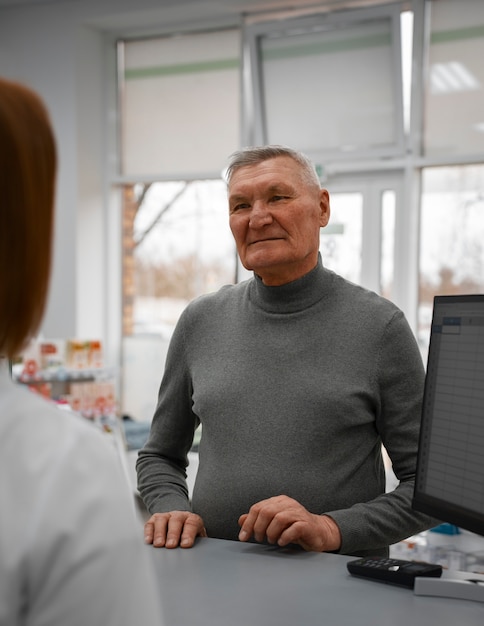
[174, 531]
[246, 522]
[155, 529]
[255, 522]
[176, 528]
[262, 522]
[292, 534]
[280, 523]
[243, 535]
[165, 529]
[149, 531]
[192, 528]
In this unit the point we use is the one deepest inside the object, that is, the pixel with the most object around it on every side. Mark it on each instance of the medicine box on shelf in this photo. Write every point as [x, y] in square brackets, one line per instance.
[70, 372]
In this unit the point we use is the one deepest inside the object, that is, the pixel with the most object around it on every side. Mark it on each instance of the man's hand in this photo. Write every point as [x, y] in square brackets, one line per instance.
[176, 528]
[283, 520]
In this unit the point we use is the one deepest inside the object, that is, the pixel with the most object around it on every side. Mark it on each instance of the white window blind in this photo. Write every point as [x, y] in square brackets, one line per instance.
[333, 86]
[180, 104]
[454, 101]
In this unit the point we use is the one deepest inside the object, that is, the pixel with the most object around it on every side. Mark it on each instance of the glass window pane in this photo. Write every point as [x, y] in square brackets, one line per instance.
[316, 77]
[180, 104]
[341, 240]
[387, 243]
[177, 245]
[451, 237]
[454, 100]
[183, 248]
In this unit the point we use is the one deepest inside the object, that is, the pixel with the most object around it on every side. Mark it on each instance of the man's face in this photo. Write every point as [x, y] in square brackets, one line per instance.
[275, 217]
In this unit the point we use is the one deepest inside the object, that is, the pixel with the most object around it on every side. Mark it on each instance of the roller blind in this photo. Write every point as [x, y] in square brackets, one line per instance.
[180, 100]
[454, 97]
[332, 84]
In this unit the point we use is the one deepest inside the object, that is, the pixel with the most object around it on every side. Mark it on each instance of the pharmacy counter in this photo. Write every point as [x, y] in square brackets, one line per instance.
[227, 583]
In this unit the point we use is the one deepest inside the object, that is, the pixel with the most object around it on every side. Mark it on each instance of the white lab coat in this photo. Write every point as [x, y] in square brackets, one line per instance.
[71, 548]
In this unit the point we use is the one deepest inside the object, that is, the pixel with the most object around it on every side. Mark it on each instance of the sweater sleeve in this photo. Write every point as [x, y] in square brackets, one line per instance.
[389, 518]
[161, 464]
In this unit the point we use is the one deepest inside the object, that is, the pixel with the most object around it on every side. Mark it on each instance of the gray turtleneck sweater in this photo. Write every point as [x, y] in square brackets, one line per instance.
[296, 388]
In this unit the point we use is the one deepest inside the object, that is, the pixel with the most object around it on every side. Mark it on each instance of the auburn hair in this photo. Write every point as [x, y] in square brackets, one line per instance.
[28, 164]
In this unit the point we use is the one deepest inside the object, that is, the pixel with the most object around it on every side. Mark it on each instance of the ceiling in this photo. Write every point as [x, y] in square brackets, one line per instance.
[235, 5]
[15, 3]
[124, 16]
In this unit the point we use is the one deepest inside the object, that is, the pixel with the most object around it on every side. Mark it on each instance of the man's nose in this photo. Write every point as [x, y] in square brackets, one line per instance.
[260, 215]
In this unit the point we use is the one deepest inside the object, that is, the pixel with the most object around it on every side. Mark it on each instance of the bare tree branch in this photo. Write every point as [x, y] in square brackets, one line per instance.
[144, 191]
[162, 211]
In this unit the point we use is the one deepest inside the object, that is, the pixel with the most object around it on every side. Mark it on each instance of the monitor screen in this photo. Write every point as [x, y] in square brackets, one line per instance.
[449, 484]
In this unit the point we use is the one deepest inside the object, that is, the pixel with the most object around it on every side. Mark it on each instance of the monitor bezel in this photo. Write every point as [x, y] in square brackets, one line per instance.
[439, 508]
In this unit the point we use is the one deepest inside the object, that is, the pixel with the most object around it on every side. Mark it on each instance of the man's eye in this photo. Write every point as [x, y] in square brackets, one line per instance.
[277, 198]
[239, 206]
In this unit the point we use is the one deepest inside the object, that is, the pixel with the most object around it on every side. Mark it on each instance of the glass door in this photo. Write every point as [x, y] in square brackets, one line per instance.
[359, 241]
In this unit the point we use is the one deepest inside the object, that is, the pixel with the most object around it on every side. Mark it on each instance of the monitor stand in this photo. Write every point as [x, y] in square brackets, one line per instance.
[453, 584]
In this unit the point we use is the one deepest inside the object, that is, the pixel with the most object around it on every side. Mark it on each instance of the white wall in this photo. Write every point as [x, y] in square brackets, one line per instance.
[34, 52]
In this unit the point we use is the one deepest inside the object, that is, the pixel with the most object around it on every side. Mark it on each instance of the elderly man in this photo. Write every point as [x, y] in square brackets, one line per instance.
[297, 377]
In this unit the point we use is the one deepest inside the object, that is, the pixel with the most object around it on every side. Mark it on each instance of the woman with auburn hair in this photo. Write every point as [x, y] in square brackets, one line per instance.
[70, 544]
[27, 182]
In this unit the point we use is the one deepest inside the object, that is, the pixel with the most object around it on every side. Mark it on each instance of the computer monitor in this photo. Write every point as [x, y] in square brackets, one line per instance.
[449, 483]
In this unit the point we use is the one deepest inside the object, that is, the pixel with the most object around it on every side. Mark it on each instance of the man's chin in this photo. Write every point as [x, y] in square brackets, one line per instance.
[257, 263]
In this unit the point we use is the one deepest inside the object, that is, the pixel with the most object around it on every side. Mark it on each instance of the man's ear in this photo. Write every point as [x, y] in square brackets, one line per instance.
[325, 210]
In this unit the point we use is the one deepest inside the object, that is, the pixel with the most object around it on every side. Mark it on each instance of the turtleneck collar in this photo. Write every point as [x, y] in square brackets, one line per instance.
[295, 296]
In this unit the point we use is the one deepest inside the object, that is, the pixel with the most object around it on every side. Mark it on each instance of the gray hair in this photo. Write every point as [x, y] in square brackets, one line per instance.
[258, 154]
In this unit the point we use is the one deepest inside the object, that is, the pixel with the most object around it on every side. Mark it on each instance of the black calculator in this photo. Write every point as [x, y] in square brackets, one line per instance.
[395, 571]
